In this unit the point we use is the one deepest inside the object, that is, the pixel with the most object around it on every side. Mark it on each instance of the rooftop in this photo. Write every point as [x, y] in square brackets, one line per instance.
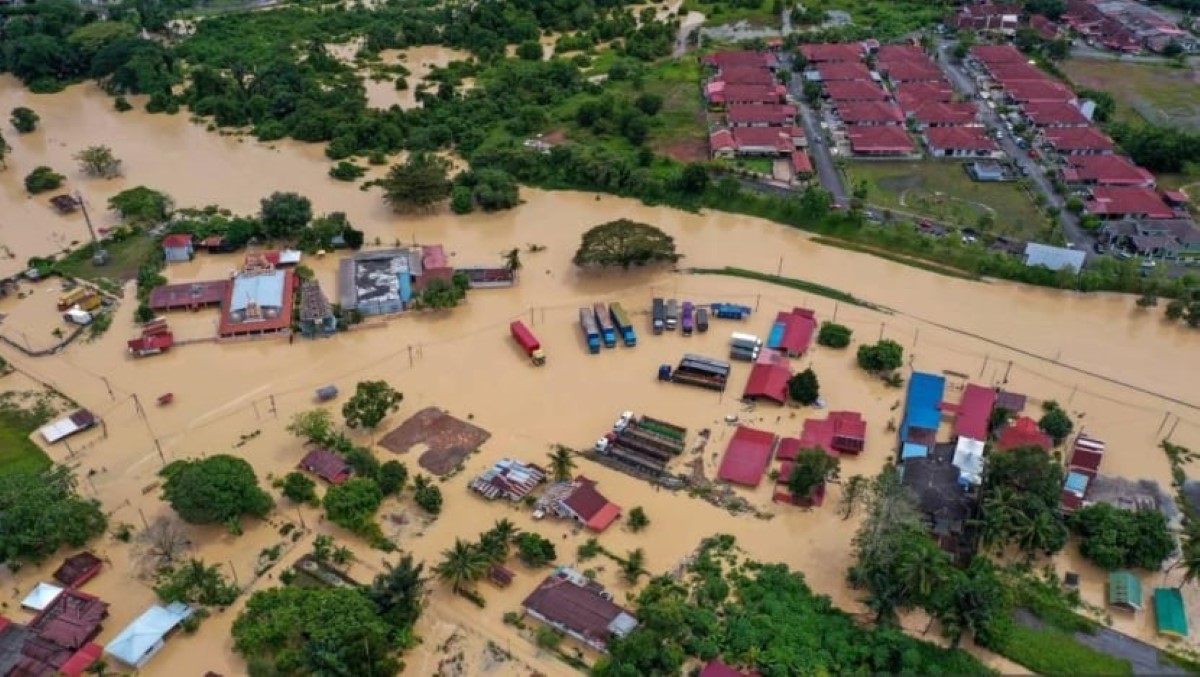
[856, 112]
[832, 52]
[1023, 432]
[738, 59]
[942, 113]
[921, 410]
[1046, 113]
[855, 90]
[177, 240]
[960, 138]
[596, 511]
[843, 70]
[1025, 91]
[900, 53]
[934, 481]
[78, 569]
[188, 294]
[1015, 71]
[1128, 201]
[508, 478]
[140, 639]
[912, 94]
[843, 431]
[913, 71]
[258, 302]
[974, 412]
[1054, 258]
[735, 93]
[747, 456]
[879, 139]
[773, 113]
[743, 75]
[991, 54]
[581, 608]
[1077, 138]
[326, 464]
[768, 378]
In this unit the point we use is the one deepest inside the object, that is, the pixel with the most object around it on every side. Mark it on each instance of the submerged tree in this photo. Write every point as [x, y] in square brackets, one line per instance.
[371, 402]
[461, 565]
[1055, 422]
[42, 179]
[313, 425]
[625, 243]
[218, 489]
[285, 214]
[398, 593]
[4, 148]
[196, 583]
[99, 161]
[562, 463]
[41, 512]
[141, 206]
[24, 119]
[418, 184]
[804, 387]
[812, 468]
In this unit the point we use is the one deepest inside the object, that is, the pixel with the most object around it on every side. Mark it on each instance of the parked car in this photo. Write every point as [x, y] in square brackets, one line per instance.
[1099, 248]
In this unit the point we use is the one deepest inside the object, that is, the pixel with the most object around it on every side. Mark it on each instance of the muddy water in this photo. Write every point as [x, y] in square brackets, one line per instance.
[236, 398]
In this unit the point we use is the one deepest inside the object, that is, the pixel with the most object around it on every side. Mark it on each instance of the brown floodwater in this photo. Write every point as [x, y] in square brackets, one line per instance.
[236, 398]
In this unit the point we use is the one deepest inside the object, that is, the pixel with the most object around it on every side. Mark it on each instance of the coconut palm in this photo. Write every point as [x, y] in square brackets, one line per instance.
[634, 566]
[512, 260]
[562, 463]
[1041, 532]
[1189, 560]
[462, 564]
[342, 556]
[923, 570]
[398, 592]
[495, 542]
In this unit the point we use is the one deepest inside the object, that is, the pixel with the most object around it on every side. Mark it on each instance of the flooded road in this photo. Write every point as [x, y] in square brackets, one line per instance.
[236, 398]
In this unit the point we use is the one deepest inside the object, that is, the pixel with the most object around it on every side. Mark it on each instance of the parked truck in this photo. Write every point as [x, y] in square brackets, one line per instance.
[730, 311]
[688, 320]
[744, 347]
[591, 332]
[702, 320]
[89, 301]
[528, 342]
[672, 314]
[624, 326]
[72, 297]
[659, 316]
[608, 332]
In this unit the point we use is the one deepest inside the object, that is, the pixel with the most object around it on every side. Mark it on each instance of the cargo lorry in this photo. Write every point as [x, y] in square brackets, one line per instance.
[528, 342]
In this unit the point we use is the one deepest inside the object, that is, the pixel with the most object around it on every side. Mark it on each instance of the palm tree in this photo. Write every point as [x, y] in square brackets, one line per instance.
[342, 555]
[512, 260]
[562, 463]
[495, 542]
[464, 563]
[922, 571]
[398, 592]
[1039, 533]
[98, 667]
[1189, 560]
[633, 566]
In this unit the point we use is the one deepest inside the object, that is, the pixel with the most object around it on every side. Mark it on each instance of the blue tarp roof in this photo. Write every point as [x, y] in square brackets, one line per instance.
[1076, 483]
[911, 450]
[921, 410]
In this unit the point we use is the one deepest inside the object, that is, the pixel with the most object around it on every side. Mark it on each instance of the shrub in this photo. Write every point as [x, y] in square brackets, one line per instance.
[42, 179]
[834, 335]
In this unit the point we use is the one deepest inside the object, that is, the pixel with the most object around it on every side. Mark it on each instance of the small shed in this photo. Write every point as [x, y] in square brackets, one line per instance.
[41, 596]
[1125, 591]
[1169, 612]
[327, 465]
[78, 569]
[177, 248]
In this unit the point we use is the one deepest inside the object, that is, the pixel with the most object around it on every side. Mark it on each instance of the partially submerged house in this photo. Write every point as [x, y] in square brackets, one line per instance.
[509, 479]
[1170, 613]
[1023, 432]
[177, 248]
[75, 422]
[841, 431]
[327, 465]
[580, 608]
[793, 331]
[42, 596]
[581, 502]
[1125, 590]
[1082, 467]
[146, 635]
[58, 633]
[78, 569]
[769, 378]
[973, 413]
[922, 414]
[747, 456]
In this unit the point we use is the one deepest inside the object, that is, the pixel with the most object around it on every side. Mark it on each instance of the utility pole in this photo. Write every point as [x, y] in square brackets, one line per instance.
[145, 524]
[109, 387]
[881, 327]
[274, 411]
[410, 357]
[1166, 415]
[257, 416]
[835, 310]
[99, 256]
[779, 271]
[1007, 370]
[984, 367]
[1172, 431]
[235, 578]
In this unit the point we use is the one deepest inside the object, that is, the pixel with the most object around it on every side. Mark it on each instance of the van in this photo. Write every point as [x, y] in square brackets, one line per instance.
[702, 320]
[672, 314]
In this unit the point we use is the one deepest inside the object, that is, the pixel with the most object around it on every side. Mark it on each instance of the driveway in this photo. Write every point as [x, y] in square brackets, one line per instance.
[818, 148]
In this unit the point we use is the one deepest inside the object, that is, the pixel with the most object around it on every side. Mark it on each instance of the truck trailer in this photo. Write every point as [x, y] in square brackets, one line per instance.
[624, 326]
[608, 332]
[659, 316]
[730, 311]
[528, 342]
[591, 332]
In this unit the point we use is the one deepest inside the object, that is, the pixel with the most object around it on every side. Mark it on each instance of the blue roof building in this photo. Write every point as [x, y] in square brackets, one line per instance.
[922, 411]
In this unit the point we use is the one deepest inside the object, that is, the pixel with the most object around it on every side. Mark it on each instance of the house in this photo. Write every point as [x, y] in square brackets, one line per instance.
[59, 631]
[912, 71]
[747, 456]
[145, 636]
[1054, 258]
[768, 378]
[1123, 202]
[1160, 238]
[945, 501]
[760, 115]
[879, 141]
[78, 569]
[509, 479]
[1082, 467]
[922, 414]
[802, 167]
[823, 53]
[843, 70]
[1032, 91]
[580, 608]
[1055, 114]
[770, 141]
[994, 54]
[739, 59]
[743, 75]
[912, 94]
[973, 413]
[733, 93]
[840, 431]
[42, 596]
[940, 114]
[584, 504]
[959, 142]
[1078, 141]
[793, 332]
[327, 465]
[1008, 72]
[988, 17]
[1046, 29]
[1023, 432]
[177, 247]
[216, 244]
[1125, 591]
[987, 171]
[1105, 170]
[854, 90]
[1170, 613]
[870, 113]
[892, 53]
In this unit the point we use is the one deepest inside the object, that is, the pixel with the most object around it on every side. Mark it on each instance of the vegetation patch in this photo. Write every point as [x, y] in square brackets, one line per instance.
[764, 13]
[789, 282]
[1144, 92]
[913, 261]
[18, 453]
[1048, 651]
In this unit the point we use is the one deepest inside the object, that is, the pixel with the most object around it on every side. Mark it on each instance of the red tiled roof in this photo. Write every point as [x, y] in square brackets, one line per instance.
[855, 112]
[1106, 170]
[78, 569]
[900, 53]
[941, 113]
[1024, 91]
[843, 70]
[1128, 201]
[738, 59]
[747, 456]
[71, 620]
[1086, 455]
[879, 139]
[990, 54]
[799, 325]
[188, 294]
[1055, 113]
[81, 660]
[1015, 71]
[801, 163]
[1044, 26]
[327, 465]
[959, 138]
[780, 138]
[832, 52]
[912, 94]
[768, 379]
[1077, 138]
[913, 71]
[974, 412]
[231, 326]
[788, 448]
[855, 90]
[742, 75]
[1023, 432]
[177, 240]
[840, 431]
[733, 93]
[159, 341]
[770, 113]
[596, 511]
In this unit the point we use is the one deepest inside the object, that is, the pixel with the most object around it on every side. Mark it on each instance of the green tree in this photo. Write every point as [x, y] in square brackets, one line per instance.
[1055, 422]
[141, 206]
[346, 171]
[461, 565]
[530, 50]
[398, 593]
[316, 631]
[196, 583]
[24, 119]
[534, 549]
[885, 356]
[218, 489]
[322, 548]
[91, 38]
[391, 477]
[314, 425]
[512, 260]
[495, 542]
[1118, 539]
[649, 103]
[633, 566]
[972, 601]
[98, 161]
[298, 487]
[43, 512]
[491, 189]
[4, 148]
[833, 335]
[353, 503]
[625, 243]
[427, 495]
[562, 463]
[461, 200]
[812, 468]
[42, 179]
[363, 463]
[418, 184]
[694, 178]
[371, 403]
[804, 387]
[285, 214]
[440, 294]
[144, 313]
[638, 519]
[890, 532]
[1175, 309]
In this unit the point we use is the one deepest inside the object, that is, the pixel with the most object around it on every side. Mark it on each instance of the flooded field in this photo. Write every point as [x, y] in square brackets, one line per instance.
[1125, 374]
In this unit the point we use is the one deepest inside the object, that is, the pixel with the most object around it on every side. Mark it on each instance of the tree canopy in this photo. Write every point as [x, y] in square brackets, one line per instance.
[285, 214]
[398, 593]
[1119, 539]
[99, 161]
[43, 512]
[625, 243]
[299, 487]
[834, 335]
[24, 120]
[1055, 422]
[534, 549]
[421, 182]
[218, 489]
[43, 179]
[1019, 501]
[804, 387]
[371, 402]
[353, 503]
[196, 583]
[886, 355]
[812, 468]
[141, 206]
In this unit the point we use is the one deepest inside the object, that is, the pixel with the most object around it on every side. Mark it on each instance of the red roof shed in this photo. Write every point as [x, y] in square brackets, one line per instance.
[840, 431]
[1023, 432]
[327, 465]
[592, 508]
[768, 378]
[177, 240]
[799, 325]
[78, 569]
[974, 412]
[801, 163]
[747, 456]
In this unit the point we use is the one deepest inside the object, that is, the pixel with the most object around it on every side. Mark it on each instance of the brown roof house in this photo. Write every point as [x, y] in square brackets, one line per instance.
[580, 608]
[326, 464]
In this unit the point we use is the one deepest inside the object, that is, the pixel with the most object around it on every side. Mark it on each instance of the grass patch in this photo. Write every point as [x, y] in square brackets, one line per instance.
[1048, 651]
[718, 12]
[923, 264]
[761, 165]
[18, 453]
[942, 190]
[789, 282]
[883, 20]
[125, 257]
[1151, 92]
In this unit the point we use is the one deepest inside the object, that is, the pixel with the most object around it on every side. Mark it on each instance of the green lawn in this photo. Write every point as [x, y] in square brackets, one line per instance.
[941, 190]
[17, 452]
[1048, 651]
[718, 12]
[125, 258]
[761, 165]
[1158, 94]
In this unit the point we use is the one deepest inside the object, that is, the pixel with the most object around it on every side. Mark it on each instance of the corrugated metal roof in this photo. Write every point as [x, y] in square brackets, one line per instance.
[1054, 258]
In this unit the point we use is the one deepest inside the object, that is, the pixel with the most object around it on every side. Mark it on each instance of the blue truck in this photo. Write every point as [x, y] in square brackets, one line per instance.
[608, 332]
[624, 326]
[587, 322]
[730, 311]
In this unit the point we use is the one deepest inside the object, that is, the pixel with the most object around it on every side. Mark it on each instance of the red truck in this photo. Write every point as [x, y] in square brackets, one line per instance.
[528, 342]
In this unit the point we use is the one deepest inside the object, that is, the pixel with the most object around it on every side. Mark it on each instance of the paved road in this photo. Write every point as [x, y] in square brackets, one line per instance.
[818, 149]
[966, 84]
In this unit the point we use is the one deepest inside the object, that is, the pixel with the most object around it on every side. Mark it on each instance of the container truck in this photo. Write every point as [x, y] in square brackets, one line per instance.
[528, 342]
[89, 301]
[624, 326]
[587, 322]
[659, 316]
[688, 320]
[672, 314]
[701, 320]
[740, 340]
[730, 311]
[71, 298]
[608, 332]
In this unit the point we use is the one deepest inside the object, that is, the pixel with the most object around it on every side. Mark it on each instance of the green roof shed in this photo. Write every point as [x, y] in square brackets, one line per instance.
[1125, 591]
[1169, 612]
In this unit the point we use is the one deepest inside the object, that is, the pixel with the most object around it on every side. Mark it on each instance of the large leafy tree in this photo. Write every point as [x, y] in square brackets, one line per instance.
[1118, 539]
[24, 120]
[1019, 502]
[497, 541]
[886, 355]
[196, 583]
[285, 214]
[98, 161]
[313, 425]
[353, 503]
[316, 631]
[534, 549]
[41, 512]
[417, 185]
[141, 205]
[461, 565]
[1055, 422]
[812, 468]
[398, 593]
[804, 387]
[371, 402]
[214, 490]
[625, 243]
